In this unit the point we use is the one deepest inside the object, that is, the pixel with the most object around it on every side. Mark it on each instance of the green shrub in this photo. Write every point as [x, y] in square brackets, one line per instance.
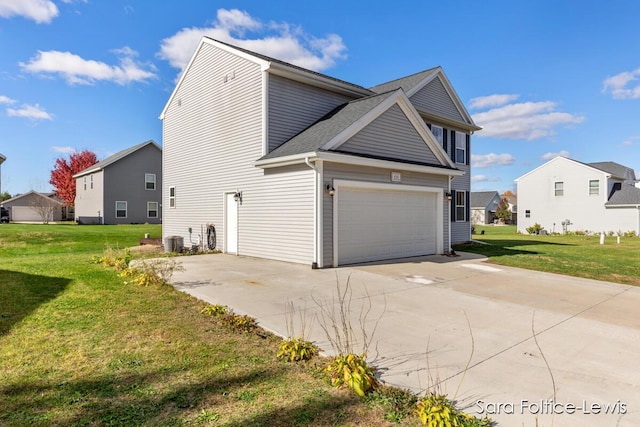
[240, 322]
[296, 349]
[534, 229]
[215, 310]
[435, 410]
[352, 371]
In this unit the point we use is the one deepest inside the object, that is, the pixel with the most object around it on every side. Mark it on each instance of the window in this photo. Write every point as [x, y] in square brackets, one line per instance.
[461, 147]
[461, 197]
[84, 181]
[438, 133]
[594, 187]
[152, 209]
[121, 209]
[172, 197]
[150, 181]
[91, 179]
[559, 188]
[527, 213]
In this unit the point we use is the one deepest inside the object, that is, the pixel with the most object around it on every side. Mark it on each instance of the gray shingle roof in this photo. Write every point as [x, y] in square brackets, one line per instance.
[615, 169]
[626, 195]
[406, 83]
[481, 199]
[324, 130]
[115, 157]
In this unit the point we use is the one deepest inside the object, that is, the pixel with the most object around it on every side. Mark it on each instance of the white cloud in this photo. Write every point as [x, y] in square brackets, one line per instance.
[629, 142]
[6, 100]
[63, 150]
[484, 178]
[490, 160]
[549, 156]
[77, 70]
[278, 40]
[524, 120]
[489, 101]
[40, 11]
[33, 112]
[624, 85]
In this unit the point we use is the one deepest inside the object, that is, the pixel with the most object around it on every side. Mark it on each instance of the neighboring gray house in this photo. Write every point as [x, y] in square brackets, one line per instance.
[294, 165]
[483, 206]
[566, 195]
[125, 188]
[35, 207]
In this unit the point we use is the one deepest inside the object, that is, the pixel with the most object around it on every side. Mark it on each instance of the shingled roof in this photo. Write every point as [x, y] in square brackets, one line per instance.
[115, 157]
[624, 195]
[615, 169]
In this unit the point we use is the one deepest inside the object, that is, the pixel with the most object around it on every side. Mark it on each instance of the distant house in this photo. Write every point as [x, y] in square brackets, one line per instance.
[483, 206]
[125, 188]
[294, 165]
[566, 195]
[35, 207]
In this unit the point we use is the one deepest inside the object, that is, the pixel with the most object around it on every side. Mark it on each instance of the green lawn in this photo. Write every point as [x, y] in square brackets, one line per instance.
[573, 255]
[80, 347]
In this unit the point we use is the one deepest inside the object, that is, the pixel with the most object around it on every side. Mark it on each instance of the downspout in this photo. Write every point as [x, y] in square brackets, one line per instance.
[316, 217]
[451, 177]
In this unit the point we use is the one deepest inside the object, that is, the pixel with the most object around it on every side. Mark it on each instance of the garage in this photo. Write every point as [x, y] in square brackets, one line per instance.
[384, 221]
[26, 214]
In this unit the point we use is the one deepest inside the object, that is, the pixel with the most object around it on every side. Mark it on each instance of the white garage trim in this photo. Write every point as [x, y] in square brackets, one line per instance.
[339, 184]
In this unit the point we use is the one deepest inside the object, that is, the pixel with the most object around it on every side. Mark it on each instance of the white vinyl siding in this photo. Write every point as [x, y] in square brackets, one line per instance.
[433, 98]
[294, 106]
[211, 140]
[380, 139]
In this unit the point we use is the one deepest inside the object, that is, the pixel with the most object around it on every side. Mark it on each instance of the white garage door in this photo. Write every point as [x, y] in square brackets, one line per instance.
[377, 224]
[25, 213]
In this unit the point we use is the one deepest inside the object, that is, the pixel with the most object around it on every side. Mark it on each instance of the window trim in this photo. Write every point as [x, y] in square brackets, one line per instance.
[594, 191]
[461, 145]
[157, 209]
[84, 181]
[91, 181]
[461, 195]
[147, 181]
[126, 211]
[441, 139]
[172, 196]
[558, 188]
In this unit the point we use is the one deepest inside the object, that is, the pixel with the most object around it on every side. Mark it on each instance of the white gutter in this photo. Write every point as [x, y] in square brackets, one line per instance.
[317, 216]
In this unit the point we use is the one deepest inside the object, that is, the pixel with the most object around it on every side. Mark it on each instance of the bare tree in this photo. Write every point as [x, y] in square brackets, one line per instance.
[44, 207]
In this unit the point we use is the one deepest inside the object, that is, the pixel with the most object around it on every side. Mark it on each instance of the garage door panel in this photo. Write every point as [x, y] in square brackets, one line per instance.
[383, 224]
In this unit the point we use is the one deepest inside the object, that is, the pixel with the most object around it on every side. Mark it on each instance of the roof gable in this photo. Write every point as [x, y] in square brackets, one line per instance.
[557, 159]
[345, 122]
[432, 93]
[115, 157]
[32, 193]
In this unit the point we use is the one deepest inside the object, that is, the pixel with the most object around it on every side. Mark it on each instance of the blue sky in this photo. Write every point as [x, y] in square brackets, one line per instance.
[542, 78]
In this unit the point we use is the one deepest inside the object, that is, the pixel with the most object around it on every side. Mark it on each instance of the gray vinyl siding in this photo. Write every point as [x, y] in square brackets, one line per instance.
[212, 135]
[461, 230]
[333, 171]
[294, 106]
[381, 139]
[89, 203]
[434, 99]
[124, 181]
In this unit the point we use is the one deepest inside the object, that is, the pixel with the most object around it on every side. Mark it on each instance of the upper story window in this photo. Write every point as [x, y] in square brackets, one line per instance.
[91, 181]
[594, 187]
[559, 188]
[150, 181]
[438, 132]
[461, 147]
[84, 182]
[172, 197]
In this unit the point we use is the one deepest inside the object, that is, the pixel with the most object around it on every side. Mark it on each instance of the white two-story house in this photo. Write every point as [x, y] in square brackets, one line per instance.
[290, 164]
[566, 195]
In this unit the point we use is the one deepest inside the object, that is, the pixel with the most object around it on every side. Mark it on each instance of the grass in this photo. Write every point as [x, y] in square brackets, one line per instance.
[79, 347]
[572, 255]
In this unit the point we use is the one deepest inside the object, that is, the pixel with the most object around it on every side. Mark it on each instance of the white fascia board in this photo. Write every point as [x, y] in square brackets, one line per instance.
[318, 80]
[560, 159]
[206, 40]
[356, 161]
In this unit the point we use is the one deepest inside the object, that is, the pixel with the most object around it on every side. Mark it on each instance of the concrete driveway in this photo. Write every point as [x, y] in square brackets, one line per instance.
[583, 370]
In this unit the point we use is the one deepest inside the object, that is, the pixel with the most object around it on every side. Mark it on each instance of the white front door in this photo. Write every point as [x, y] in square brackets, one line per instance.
[230, 224]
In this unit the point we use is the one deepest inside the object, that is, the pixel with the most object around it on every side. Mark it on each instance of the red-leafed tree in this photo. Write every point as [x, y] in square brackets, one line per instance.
[64, 169]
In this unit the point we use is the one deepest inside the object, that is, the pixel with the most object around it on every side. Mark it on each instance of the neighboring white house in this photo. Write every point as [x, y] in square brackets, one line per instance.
[483, 206]
[567, 195]
[294, 165]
